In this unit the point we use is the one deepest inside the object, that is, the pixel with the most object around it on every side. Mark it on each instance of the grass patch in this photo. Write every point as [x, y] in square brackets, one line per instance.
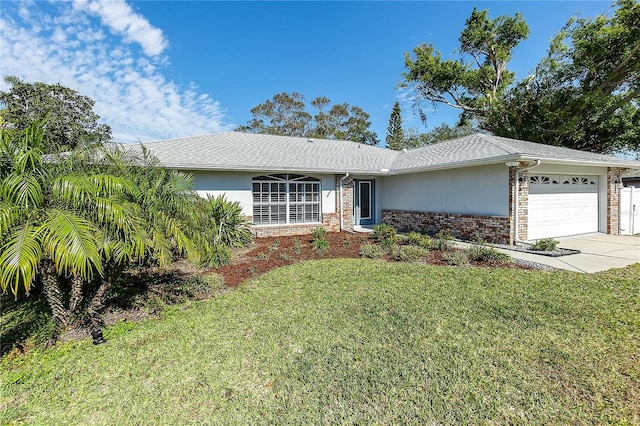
[357, 342]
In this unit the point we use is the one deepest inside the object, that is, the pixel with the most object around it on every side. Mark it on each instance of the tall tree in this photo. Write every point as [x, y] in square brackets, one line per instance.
[585, 93]
[476, 81]
[70, 119]
[395, 134]
[286, 115]
[414, 139]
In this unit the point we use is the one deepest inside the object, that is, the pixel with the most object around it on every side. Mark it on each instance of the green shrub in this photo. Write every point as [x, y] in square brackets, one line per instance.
[283, 256]
[482, 253]
[408, 253]
[418, 239]
[321, 246]
[545, 244]
[384, 232]
[388, 243]
[443, 240]
[456, 258]
[319, 233]
[297, 246]
[371, 251]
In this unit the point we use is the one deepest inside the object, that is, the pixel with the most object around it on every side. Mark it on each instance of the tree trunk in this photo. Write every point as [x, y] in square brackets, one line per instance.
[53, 294]
[76, 295]
[98, 300]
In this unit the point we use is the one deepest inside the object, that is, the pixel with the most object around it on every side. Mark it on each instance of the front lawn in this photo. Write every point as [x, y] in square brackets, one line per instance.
[356, 341]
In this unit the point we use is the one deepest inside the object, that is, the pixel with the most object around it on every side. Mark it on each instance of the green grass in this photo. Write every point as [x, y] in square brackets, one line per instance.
[357, 342]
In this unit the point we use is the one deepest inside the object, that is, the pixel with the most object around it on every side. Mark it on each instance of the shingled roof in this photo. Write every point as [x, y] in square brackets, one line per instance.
[269, 153]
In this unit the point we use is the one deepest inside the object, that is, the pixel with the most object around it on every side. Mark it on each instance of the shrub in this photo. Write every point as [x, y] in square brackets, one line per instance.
[371, 251]
[456, 258]
[545, 244]
[383, 232]
[388, 243]
[482, 253]
[283, 256]
[321, 246]
[319, 233]
[443, 240]
[297, 246]
[417, 239]
[408, 253]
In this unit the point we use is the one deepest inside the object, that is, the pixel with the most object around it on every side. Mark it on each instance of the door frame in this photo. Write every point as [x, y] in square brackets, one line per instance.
[357, 207]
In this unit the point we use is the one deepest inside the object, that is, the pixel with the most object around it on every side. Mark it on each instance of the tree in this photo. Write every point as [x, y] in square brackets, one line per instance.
[70, 120]
[476, 81]
[395, 134]
[443, 132]
[75, 222]
[585, 93]
[286, 115]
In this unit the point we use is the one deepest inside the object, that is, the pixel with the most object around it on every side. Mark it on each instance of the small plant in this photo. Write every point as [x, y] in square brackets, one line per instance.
[321, 246]
[252, 269]
[371, 251]
[388, 243]
[319, 233]
[443, 240]
[363, 239]
[346, 243]
[274, 245]
[283, 256]
[545, 244]
[384, 232]
[456, 258]
[297, 246]
[482, 253]
[262, 256]
[408, 253]
[418, 239]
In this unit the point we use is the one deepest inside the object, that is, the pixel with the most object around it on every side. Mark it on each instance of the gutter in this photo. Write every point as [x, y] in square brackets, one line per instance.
[516, 190]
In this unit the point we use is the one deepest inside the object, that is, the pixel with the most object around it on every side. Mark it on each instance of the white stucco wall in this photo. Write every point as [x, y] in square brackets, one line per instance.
[237, 186]
[481, 190]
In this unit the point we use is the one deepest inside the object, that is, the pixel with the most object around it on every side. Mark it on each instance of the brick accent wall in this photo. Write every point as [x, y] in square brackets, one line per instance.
[347, 201]
[523, 205]
[495, 229]
[613, 200]
[330, 222]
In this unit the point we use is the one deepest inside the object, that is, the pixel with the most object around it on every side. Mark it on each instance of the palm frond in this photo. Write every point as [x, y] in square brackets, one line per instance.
[22, 189]
[19, 258]
[72, 243]
[10, 215]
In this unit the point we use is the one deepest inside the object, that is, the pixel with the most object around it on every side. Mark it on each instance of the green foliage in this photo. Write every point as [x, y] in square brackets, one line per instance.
[418, 239]
[384, 232]
[457, 258]
[69, 117]
[585, 93]
[545, 244]
[297, 246]
[443, 132]
[443, 240]
[371, 251]
[321, 246]
[395, 134]
[408, 253]
[476, 81]
[319, 233]
[483, 253]
[286, 115]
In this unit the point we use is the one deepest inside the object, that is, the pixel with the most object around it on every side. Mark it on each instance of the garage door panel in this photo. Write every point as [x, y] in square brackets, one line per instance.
[559, 210]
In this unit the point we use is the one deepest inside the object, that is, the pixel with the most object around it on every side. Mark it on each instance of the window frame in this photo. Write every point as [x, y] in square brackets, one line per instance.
[295, 198]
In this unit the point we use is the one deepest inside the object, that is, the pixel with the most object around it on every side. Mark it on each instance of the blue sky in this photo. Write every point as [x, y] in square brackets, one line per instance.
[165, 69]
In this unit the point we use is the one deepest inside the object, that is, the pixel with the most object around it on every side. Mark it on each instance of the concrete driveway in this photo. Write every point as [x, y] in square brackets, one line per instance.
[599, 252]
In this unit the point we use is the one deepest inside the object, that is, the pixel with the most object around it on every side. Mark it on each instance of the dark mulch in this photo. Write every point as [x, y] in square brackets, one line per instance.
[269, 253]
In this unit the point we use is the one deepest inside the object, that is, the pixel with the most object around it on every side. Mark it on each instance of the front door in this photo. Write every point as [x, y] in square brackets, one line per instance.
[364, 205]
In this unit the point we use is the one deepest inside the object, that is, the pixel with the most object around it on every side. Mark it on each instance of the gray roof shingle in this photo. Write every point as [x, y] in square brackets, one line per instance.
[256, 152]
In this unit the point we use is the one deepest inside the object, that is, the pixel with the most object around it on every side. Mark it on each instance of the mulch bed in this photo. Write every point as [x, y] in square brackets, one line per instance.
[269, 253]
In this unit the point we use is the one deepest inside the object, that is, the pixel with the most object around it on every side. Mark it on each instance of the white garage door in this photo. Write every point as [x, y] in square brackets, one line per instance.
[562, 205]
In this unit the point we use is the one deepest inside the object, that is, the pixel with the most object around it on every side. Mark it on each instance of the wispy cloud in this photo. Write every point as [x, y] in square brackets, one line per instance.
[111, 54]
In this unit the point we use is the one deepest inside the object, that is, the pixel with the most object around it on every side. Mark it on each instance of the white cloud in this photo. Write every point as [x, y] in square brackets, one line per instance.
[120, 18]
[66, 45]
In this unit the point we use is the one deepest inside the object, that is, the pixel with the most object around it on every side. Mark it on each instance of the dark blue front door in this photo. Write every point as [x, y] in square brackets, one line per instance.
[364, 205]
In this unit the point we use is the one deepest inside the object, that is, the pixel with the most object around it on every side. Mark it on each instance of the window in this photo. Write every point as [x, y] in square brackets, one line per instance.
[286, 198]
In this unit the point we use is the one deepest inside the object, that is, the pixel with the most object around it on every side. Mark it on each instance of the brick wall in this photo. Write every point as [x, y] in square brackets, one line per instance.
[613, 200]
[523, 205]
[492, 228]
[347, 201]
[330, 222]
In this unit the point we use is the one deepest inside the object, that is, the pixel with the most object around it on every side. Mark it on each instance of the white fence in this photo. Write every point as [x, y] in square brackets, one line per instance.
[629, 211]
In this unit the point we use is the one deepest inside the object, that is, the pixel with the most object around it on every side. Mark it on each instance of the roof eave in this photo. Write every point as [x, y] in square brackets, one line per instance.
[266, 169]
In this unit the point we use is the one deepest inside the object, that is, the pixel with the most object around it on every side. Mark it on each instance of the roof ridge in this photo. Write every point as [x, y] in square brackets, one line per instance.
[498, 144]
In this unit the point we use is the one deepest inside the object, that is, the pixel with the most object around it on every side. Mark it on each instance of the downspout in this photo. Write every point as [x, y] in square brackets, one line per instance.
[341, 208]
[516, 190]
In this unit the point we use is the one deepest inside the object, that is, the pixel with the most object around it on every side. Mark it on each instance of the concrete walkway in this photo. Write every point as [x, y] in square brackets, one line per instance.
[599, 252]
